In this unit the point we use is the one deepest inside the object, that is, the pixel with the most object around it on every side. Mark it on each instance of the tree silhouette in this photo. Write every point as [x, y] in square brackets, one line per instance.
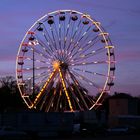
[9, 94]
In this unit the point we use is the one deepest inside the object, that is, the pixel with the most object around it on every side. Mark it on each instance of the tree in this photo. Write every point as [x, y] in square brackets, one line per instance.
[9, 94]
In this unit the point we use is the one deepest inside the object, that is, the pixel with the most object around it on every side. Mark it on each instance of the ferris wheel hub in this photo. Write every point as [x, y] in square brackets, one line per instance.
[56, 64]
[60, 64]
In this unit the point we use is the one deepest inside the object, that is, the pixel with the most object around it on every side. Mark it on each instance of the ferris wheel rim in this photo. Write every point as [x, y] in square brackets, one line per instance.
[102, 33]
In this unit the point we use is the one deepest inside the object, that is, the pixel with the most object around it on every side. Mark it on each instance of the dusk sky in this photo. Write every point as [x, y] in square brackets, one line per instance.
[120, 18]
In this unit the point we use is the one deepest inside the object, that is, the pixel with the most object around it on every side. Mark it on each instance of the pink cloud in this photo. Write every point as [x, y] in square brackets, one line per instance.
[7, 66]
[7, 58]
[129, 55]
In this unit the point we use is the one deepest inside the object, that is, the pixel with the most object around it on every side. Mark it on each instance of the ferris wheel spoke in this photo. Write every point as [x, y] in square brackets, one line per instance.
[90, 99]
[39, 52]
[86, 47]
[51, 101]
[71, 35]
[44, 75]
[58, 50]
[46, 47]
[73, 95]
[45, 99]
[84, 34]
[77, 85]
[78, 34]
[37, 60]
[85, 94]
[58, 95]
[88, 55]
[47, 36]
[53, 37]
[50, 42]
[68, 36]
[75, 99]
[58, 32]
[76, 43]
[37, 76]
[80, 38]
[91, 63]
[59, 98]
[67, 30]
[72, 38]
[81, 77]
[35, 44]
[61, 24]
[43, 103]
[40, 94]
[91, 72]
[41, 82]
[36, 68]
[78, 46]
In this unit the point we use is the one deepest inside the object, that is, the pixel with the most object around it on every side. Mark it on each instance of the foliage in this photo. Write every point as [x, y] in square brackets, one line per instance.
[10, 98]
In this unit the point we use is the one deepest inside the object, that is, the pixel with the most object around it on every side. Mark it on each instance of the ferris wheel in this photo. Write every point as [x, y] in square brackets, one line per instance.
[65, 62]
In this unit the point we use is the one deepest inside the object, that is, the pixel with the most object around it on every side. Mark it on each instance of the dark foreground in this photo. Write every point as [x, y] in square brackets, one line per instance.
[116, 137]
[79, 137]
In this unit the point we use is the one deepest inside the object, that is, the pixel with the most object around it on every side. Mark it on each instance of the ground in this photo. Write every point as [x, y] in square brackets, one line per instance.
[120, 137]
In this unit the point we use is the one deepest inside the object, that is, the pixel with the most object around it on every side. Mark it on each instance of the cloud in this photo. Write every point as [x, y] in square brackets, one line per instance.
[7, 58]
[129, 55]
[7, 66]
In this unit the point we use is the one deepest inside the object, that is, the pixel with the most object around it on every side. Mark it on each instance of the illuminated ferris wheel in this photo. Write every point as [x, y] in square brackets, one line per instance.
[65, 62]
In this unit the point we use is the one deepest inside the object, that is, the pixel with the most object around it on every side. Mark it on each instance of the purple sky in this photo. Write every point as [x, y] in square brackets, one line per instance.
[121, 19]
